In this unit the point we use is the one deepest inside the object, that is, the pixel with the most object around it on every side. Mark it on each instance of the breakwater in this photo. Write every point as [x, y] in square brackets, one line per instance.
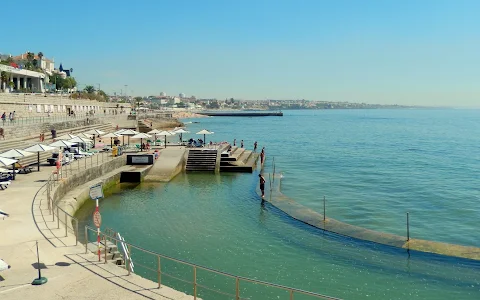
[242, 113]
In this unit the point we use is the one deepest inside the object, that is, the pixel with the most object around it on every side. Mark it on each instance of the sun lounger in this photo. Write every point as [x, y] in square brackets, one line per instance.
[24, 169]
[4, 184]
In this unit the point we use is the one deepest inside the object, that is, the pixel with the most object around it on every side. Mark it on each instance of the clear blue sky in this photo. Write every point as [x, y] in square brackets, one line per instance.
[424, 52]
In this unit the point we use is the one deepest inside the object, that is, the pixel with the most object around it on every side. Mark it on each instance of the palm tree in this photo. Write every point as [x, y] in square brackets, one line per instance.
[4, 79]
[89, 89]
[40, 55]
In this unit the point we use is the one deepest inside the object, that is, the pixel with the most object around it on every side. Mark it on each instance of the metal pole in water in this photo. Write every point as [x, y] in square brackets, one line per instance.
[408, 227]
[324, 209]
[273, 169]
[270, 180]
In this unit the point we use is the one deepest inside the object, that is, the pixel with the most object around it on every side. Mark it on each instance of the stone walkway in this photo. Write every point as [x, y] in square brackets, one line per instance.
[71, 273]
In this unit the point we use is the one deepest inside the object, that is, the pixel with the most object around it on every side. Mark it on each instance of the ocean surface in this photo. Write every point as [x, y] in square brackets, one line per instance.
[373, 166]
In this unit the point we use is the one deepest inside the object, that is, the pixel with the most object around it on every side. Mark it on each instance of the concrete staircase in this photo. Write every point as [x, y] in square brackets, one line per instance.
[239, 160]
[25, 142]
[113, 255]
[201, 160]
[142, 127]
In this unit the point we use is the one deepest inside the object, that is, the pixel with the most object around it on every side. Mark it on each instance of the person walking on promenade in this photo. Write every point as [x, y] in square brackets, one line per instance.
[10, 117]
[255, 146]
[241, 144]
[262, 185]
[4, 117]
[13, 116]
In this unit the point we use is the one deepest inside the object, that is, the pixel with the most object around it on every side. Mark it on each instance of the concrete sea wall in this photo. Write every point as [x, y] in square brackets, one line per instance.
[72, 204]
[25, 105]
[34, 130]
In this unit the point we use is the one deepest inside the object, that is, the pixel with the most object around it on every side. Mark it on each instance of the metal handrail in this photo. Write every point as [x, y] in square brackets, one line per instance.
[55, 210]
[53, 206]
[238, 279]
[53, 118]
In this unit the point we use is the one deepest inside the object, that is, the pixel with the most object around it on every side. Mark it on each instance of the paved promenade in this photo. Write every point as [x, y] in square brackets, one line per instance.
[71, 273]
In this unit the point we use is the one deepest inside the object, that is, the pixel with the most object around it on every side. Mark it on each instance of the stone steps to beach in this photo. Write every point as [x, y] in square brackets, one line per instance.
[201, 160]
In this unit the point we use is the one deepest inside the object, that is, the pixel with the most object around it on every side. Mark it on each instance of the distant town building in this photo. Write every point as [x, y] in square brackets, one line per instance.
[163, 94]
[181, 95]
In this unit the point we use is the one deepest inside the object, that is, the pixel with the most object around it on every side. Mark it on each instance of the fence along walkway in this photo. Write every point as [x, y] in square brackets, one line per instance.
[190, 277]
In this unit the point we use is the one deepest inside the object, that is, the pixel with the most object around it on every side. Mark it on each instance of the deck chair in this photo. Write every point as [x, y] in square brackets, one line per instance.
[4, 184]
[24, 169]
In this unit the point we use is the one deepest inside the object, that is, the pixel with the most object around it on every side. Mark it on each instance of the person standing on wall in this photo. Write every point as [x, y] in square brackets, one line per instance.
[255, 146]
[262, 184]
[241, 144]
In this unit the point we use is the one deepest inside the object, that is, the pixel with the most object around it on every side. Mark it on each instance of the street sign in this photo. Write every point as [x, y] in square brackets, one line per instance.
[97, 219]
[96, 191]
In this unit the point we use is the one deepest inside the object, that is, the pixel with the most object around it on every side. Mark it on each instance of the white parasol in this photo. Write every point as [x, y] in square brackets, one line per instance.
[39, 148]
[205, 132]
[165, 133]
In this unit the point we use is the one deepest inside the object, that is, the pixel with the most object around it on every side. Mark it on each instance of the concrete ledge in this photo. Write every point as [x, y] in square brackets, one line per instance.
[313, 218]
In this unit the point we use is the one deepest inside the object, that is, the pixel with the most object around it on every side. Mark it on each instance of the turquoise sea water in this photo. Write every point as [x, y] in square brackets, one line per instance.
[372, 165]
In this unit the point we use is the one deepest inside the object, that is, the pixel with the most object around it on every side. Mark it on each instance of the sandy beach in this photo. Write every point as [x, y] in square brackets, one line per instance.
[187, 114]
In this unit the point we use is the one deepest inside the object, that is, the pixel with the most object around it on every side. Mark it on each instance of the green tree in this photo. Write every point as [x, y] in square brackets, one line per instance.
[40, 55]
[138, 100]
[69, 83]
[58, 81]
[4, 76]
[103, 96]
[30, 56]
[89, 89]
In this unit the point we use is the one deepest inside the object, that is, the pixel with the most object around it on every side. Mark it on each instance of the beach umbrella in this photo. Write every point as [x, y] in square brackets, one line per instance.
[4, 161]
[127, 132]
[181, 131]
[155, 132]
[111, 136]
[3, 265]
[67, 136]
[79, 140]
[94, 132]
[15, 153]
[62, 144]
[39, 148]
[205, 132]
[141, 136]
[85, 136]
[165, 133]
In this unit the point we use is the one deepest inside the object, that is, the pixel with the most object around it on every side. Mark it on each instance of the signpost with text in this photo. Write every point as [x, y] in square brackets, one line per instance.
[96, 192]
